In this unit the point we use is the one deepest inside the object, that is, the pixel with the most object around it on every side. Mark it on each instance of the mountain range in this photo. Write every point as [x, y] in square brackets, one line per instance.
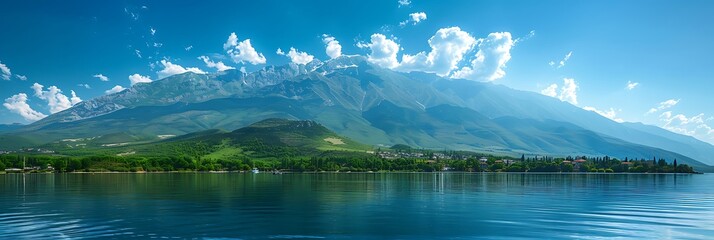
[365, 103]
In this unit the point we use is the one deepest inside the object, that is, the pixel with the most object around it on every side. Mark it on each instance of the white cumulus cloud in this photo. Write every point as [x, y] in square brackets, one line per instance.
[173, 69]
[448, 47]
[74, 99]
[101, 77]
[550, 91]
[136, 78]
[631, 85]
[414, 18]
[418, 17]
[663, 105]
[404, 3]
[21, 77]
[383, 51]
[84, 85]
[220, 66]
[490, 61]
[611, 114]
[242, 52]
[568, 92]
[54, 97]
[115, 89]
[333, 49]
[18, 104]
[296, 56]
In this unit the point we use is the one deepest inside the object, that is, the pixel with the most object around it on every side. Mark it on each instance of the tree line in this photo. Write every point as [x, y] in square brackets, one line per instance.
[292, 160]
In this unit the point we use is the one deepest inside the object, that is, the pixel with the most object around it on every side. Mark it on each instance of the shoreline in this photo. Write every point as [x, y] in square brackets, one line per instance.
[324, 172]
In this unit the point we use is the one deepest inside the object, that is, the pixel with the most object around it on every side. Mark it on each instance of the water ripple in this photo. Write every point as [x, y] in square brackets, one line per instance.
[363, 206]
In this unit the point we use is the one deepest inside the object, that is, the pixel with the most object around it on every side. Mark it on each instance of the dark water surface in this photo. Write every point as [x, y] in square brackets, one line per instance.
[396, 205]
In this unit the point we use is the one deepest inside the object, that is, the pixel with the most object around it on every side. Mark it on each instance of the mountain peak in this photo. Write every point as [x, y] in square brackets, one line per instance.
[342, 62]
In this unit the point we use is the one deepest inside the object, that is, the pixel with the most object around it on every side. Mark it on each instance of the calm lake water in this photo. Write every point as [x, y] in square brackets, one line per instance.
[396, 205]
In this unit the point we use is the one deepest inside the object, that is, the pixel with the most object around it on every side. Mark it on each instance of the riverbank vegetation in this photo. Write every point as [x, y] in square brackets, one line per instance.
[296, 161]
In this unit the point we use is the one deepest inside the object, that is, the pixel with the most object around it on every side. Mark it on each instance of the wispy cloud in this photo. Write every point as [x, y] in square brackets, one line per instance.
[101, 77]
[5, 72]
[663, 105]
[220, 66]
[115, 89]
[695, 126]
[631, 85]
[530, 35]
[611, 114]
[132, 15]
[173, 69]
[562, 62]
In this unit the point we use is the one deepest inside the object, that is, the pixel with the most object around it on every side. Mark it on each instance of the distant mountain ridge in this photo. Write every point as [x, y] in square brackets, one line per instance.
[367, 103]
[10, 127]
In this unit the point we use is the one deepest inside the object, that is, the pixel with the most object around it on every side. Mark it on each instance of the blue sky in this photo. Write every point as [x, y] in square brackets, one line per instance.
[661, 49]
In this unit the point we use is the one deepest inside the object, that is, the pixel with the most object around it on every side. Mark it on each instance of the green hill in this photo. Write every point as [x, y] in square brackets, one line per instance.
[267, 139]
[301, 134]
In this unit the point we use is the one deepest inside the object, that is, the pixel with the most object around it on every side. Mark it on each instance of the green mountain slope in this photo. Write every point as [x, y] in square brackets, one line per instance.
[269, 138]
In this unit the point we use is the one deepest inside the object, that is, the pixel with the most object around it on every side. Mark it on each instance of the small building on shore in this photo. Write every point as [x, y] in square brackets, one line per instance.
[626, 165]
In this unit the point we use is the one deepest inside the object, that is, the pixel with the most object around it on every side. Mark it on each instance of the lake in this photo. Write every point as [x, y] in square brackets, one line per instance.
[356, 205]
